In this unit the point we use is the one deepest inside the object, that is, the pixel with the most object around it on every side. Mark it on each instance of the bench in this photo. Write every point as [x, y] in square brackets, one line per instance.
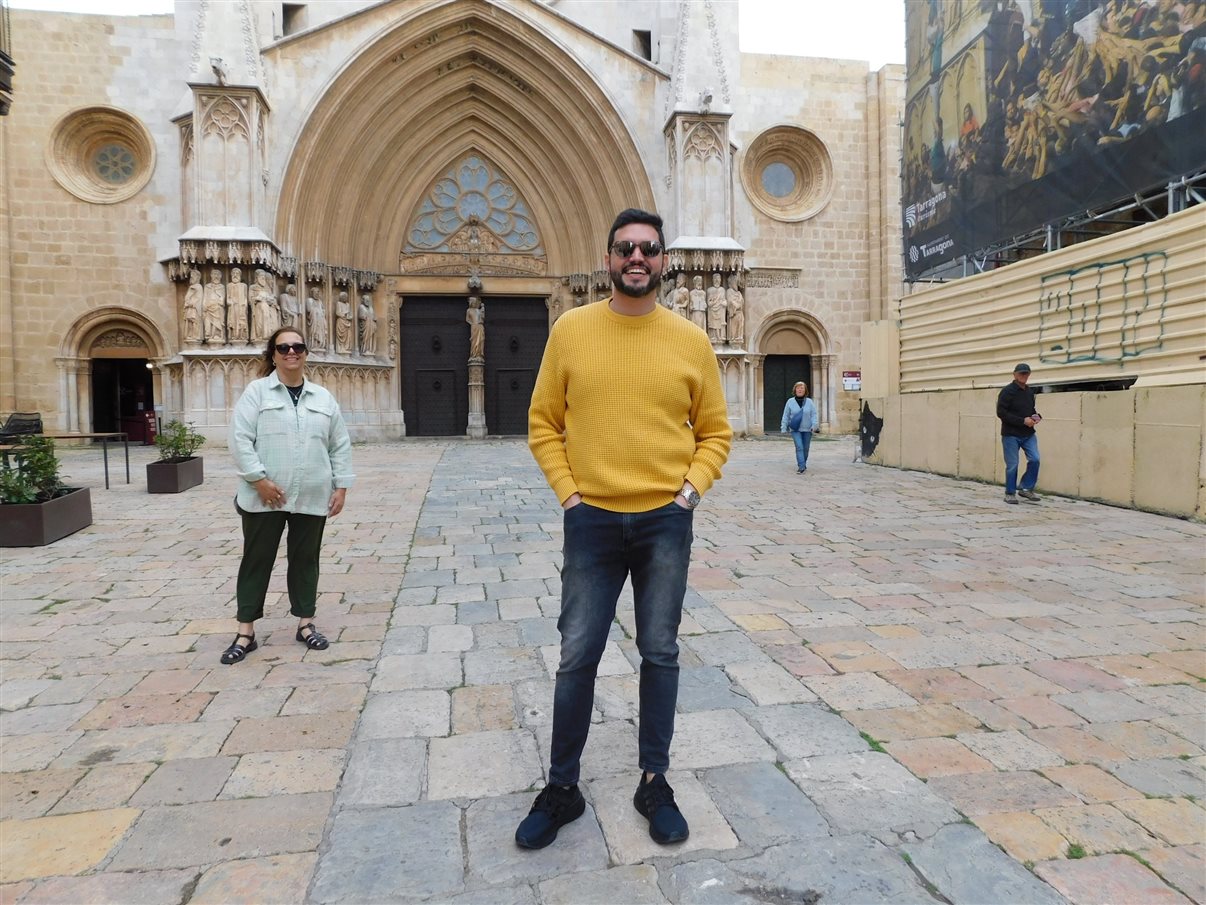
[21, 424]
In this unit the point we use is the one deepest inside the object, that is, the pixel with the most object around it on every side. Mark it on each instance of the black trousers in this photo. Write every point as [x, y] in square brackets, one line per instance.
[261, 539]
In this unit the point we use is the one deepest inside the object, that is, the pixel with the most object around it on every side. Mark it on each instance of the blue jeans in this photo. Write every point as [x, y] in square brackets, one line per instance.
[1028, 445]
[803, 440]
[601, 549]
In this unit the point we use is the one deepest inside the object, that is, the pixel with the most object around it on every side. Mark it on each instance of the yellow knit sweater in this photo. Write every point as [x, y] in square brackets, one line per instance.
[627, 408]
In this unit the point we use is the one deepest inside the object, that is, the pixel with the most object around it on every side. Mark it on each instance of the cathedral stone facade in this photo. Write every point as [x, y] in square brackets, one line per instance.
[422, 187]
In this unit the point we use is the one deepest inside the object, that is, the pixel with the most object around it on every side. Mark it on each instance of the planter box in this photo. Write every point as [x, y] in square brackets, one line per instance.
[173, 477]
[39, 524]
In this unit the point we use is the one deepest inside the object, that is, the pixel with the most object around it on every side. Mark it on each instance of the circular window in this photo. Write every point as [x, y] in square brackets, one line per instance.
[787, 173]
[778, 180]
[100, 154]
[115, 163]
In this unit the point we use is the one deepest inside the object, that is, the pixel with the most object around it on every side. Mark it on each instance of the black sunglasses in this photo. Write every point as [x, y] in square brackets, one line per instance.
[286, 348]
[648, 249]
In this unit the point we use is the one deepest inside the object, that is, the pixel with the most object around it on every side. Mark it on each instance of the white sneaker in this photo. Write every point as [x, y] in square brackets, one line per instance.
[1011, 498]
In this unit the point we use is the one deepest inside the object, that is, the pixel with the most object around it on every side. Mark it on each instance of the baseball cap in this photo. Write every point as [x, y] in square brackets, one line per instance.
[1022, 368]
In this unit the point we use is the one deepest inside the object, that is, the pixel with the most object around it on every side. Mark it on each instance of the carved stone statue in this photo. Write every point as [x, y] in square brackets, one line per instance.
[368, 325]
[215, 309]
[343, 323]
[393, 338]
[194, 308]
[265, 315]
[290, 306]
[316, 321]
[666, 296]
[682, 296]
[736, 303]
[236, 306]
[699, 304]
[475, 317]
[716, 310]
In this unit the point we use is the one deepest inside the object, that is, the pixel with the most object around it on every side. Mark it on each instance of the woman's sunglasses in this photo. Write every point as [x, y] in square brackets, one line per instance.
[286, 348]
[625, 249]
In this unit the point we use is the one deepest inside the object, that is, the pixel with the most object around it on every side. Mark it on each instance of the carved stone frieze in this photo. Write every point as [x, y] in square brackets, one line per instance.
[773, 278]
[263, 255]
[704, 259]
[488, 264]
[119, 339]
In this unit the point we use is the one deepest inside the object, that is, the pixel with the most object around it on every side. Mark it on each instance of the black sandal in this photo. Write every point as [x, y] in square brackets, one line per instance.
[315, 640]
[237, 651]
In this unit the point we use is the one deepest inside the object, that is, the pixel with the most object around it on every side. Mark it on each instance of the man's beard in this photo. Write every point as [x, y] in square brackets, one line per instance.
[635, 291]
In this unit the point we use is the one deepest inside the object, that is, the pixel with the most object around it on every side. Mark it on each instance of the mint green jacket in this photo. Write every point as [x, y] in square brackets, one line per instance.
[304, 449]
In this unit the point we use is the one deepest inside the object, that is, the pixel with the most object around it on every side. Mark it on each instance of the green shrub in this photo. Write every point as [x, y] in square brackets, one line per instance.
[31, 473]
[177, 441]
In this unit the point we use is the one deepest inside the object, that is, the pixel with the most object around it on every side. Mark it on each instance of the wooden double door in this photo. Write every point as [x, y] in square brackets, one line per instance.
[779, 374]
[435, 363]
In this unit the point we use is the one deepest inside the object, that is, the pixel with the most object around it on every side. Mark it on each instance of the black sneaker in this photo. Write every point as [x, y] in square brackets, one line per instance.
[554, 807]
[654, 800]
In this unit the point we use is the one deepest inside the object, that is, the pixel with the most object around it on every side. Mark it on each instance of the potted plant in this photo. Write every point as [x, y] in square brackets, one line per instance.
[177, 469]
[35, 507]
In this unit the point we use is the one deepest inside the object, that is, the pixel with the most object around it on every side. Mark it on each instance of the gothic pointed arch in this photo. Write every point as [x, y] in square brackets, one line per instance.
[438, 85]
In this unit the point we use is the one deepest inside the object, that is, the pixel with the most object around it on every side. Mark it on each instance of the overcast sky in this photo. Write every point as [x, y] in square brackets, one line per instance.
[871, 30]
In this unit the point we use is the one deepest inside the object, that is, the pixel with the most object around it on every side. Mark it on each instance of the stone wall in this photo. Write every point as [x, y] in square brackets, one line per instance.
[70, 256]
[832, 271]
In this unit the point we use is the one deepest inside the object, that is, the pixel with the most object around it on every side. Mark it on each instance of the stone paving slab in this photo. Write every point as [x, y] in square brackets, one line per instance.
[1037, 671]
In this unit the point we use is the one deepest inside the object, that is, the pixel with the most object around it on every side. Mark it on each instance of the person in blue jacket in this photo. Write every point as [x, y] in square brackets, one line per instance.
[800, 417]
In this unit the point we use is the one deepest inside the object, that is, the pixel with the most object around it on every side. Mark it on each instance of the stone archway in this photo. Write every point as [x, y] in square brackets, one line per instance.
[464, 84]
[504, 90]
[796, 336]
[110, 332]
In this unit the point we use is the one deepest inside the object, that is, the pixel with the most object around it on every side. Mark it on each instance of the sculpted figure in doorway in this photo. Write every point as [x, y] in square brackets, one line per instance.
[194, 308]
[699, 304]
[291, 309]
[316, 321]
[393, 338]
[343, 323]
[368, 326]
[236, 306]
[716, 311]
[681, 302]
[475, 317]
[215, 309]
[736, 303]
[265, 316]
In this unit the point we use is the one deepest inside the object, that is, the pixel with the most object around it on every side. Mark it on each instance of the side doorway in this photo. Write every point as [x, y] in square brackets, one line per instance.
[435, 365]
[517, 329]
[779, 374]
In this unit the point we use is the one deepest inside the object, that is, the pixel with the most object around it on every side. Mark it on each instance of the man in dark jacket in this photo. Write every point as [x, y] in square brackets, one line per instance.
[1015, 408]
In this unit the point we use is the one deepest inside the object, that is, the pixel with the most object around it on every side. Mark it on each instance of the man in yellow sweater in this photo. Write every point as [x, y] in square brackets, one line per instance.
[628, 423]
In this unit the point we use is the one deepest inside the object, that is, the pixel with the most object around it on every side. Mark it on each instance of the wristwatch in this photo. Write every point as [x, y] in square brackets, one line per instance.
[692, 497]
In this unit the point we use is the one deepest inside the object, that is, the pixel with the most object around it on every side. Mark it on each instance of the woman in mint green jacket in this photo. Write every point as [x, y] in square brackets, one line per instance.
[800, 417]
[294, 459]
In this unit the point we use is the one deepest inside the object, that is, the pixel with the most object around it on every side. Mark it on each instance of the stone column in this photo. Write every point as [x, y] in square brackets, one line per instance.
[824, 394]
[75, 393]
[476, 429]
[753, 364]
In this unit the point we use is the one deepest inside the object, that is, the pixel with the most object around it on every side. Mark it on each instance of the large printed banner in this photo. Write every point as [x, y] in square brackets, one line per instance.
[1024, 112]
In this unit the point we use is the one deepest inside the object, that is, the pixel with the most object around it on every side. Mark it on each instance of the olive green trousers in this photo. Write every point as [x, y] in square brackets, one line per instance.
[261, 540]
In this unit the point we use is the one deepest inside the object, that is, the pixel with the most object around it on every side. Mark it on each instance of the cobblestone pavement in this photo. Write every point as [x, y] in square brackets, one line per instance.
[895, 688]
